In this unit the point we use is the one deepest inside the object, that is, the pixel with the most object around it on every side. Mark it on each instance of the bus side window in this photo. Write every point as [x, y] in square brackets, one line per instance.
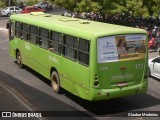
[83, 51]
[24, 35]
[18, 31]
[43, 38]
[56, 42]
[33, 32]
[70, 47]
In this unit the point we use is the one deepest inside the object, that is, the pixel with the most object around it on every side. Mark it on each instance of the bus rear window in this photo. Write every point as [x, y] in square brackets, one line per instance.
[121, 47]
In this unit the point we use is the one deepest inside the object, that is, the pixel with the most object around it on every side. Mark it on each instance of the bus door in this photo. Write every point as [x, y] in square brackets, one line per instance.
[70, 46]
[82, 70]
[26, 49]
[43, 52]
[31, 48]
[124, 66]
[43, 64]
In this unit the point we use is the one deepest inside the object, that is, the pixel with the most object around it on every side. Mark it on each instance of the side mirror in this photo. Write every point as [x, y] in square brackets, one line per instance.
[7, 25]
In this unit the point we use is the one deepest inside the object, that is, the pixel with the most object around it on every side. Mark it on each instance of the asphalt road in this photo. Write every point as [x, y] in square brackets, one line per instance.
[25, 90]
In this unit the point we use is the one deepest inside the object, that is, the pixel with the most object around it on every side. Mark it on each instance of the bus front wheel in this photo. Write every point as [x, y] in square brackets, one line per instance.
[19, 60]
[55, 82]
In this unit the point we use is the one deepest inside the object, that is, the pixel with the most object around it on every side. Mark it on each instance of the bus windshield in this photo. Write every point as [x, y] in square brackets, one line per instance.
[121, 47]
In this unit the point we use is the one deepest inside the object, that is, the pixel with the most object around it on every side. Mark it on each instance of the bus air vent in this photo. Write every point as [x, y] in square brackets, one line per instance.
[84, 22]
[36, 13]
[68, 19]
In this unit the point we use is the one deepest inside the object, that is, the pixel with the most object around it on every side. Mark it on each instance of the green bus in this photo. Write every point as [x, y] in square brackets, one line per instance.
[93, 60]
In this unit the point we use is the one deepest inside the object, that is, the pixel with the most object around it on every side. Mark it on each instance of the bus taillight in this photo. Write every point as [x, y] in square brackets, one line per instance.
[96, 82]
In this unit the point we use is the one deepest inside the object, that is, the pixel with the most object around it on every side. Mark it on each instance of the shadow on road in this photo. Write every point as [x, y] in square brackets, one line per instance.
[105, 107]
[155, 78]
[40, 101]
[113, 106]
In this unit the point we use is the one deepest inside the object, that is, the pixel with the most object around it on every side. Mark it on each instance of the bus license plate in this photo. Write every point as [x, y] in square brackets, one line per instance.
[122, 84]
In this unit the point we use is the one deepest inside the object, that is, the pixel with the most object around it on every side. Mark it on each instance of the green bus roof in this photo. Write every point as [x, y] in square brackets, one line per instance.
[73, 26]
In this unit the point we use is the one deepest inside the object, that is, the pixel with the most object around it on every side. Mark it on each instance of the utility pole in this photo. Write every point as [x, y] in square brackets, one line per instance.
[9, 2]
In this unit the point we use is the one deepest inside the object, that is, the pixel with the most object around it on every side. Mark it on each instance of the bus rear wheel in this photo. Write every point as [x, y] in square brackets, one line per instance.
[55, 82]
[19, 60]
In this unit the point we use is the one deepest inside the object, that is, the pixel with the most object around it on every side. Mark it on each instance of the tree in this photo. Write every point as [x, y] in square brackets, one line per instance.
[7, 3]
[2, 3]
[153, 7]
[87, 6]
[156, 8]
[67, 4]
[137, 8]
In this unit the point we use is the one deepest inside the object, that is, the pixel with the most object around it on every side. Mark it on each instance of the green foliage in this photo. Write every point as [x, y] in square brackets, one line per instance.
[67, 4]
[156, 8]
[143, 8]
[2, 4]
[86, 6]
[138, 8]
[13, 2]
[30, 2]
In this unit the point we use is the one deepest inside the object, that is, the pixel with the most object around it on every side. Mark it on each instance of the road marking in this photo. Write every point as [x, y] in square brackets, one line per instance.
[18, 99]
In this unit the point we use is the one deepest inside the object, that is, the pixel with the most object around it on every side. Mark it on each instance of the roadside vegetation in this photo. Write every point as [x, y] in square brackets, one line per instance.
[16, 3]
[143, 8]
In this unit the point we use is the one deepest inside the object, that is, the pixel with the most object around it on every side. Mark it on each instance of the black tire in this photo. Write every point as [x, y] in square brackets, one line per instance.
[19, 60]
[55, 82]
[9, 14]
[149, 72]
[156, 49]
